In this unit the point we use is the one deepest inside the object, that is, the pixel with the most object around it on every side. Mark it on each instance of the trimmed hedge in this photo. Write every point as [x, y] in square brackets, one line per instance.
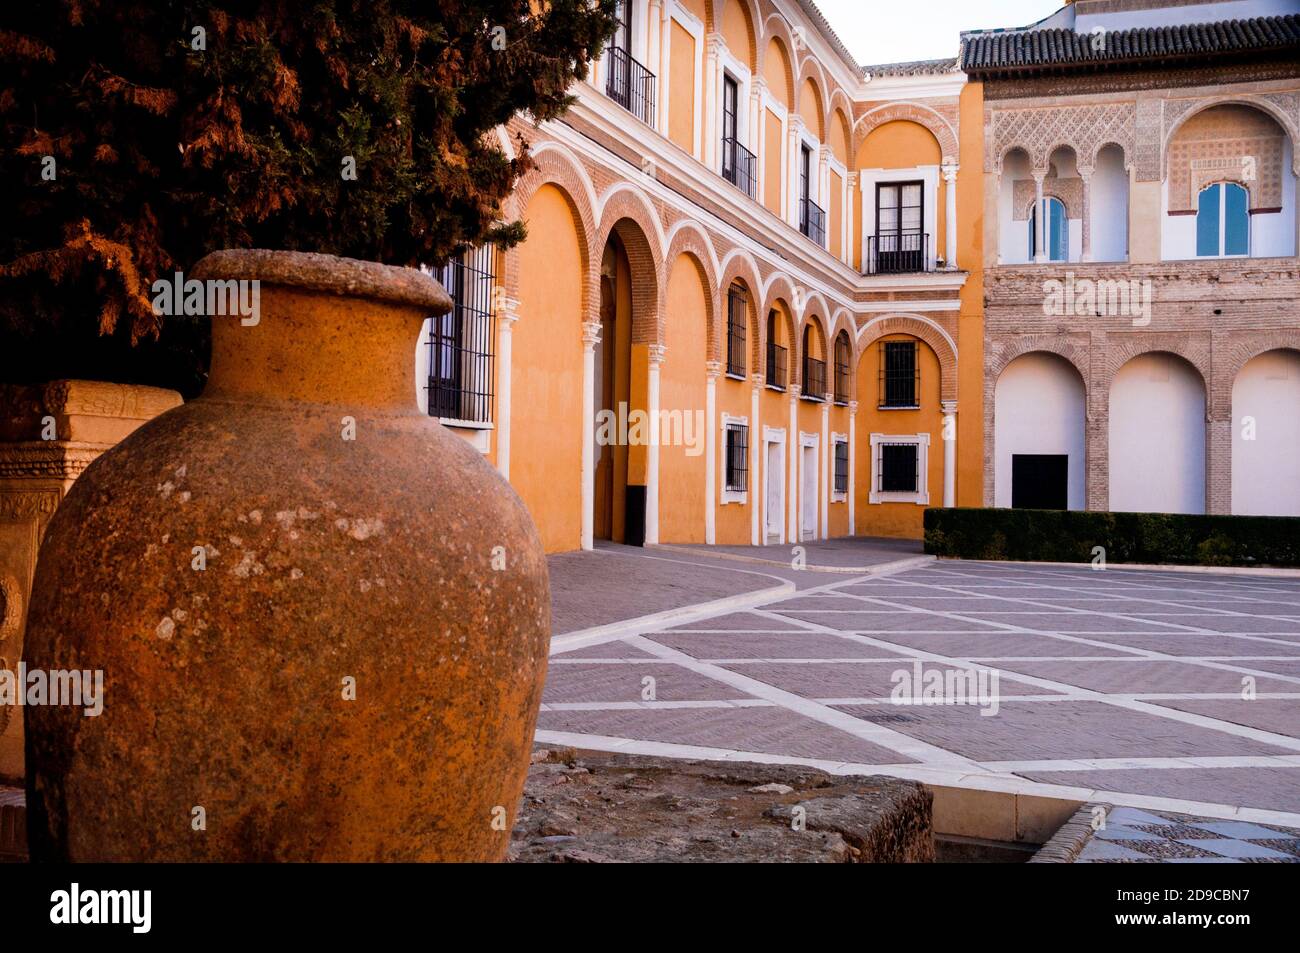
[1069, 536]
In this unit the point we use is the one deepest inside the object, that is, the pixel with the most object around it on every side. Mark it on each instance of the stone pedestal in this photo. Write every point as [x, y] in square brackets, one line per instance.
[48, 435]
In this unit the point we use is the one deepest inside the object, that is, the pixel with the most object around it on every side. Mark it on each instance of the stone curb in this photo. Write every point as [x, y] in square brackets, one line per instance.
[1065, 846]
[893, 566]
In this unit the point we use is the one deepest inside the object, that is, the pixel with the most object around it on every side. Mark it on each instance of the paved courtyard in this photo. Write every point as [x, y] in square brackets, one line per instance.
[1158, 690]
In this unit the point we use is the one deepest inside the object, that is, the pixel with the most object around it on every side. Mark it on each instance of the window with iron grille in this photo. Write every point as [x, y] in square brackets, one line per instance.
[898, 468]
[842, 359]
[737, 458]
[462, 341]
[899, 374]
[737, 303]
[841, 466]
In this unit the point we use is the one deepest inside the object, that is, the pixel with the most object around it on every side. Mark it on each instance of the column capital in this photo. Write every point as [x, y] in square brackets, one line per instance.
[795, 122]
[853, 407]
[715, 44]
[757, 87]
[827, 399]
[590, 334]
[824, 154]
[851, 180]
[794, 393]
[713, 369]
[656, 354]
[949, 170]
[757, 381]
[949, 407]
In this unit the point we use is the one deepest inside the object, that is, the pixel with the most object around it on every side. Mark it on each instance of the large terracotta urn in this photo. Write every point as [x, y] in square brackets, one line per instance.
[322, 619]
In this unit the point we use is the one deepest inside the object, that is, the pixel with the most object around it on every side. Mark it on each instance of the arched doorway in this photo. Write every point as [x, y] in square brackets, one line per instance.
[613, 377]
[1157, 436]
[1039, 444]
[1266, 436]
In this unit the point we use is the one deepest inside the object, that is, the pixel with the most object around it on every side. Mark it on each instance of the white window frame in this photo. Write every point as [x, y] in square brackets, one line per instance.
[774, 435]
[836, 440]
[808, 441]
[734, 496]
[922, 496]
[868, 179]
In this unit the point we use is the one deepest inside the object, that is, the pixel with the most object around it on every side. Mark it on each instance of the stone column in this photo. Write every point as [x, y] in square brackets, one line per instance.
[756, 500]
[713, 370]
[507, 315]
[950, 214]
[661, 79]
[791, 178]
[1086, 175]
[827, 478]
[792, 479]
[949, 453]
[652, 454]
[654, 59]
[824, 187]
[853, 467]
[48, 435]
[1098, 461]
[850, 202]
[590, 338]
[758, 134]
[1040, 230]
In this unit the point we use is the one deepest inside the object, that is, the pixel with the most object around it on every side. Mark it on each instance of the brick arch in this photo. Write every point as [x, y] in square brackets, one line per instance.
[1120, 352]
[628, 214]
[775, 28]
[1231, 359]
[749, 8]
[923, 330]
[1001, 355]
[555, 168]
[690, 240]
[938, 126]
[812, 317]
[781, 289]
[739, 266]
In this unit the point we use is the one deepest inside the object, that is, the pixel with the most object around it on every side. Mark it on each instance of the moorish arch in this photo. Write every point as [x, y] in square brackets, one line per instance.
[923, 329]
[687, 238]
[925, 116]
[1184, 110]
[627, 213]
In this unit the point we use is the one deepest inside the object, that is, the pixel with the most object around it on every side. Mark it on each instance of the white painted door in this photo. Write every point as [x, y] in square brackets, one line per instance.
[772, 511]
[808, 501]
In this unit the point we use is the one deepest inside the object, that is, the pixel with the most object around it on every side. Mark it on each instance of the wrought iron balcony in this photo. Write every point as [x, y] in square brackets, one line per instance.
[775, 365]
[812, 221]
[630, 85]
[899, 253]
[739, 165]
[814, 378]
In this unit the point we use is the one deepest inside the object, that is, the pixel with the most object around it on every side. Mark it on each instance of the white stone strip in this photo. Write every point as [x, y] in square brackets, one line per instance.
[875, 734]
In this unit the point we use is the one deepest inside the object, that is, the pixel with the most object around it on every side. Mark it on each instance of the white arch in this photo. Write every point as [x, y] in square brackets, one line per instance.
[1266, 435]
[907, 314]
[587, 186]
[685, 223]
[642, 199]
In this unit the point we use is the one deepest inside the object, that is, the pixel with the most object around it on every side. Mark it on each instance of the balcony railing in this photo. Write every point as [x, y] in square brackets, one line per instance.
[738, 166]
[899, 253]
[814, 378]
[630, 85]
[775, 365]
[812, 221]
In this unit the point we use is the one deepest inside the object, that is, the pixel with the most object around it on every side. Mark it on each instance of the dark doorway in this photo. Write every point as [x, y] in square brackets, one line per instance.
[1040, 481]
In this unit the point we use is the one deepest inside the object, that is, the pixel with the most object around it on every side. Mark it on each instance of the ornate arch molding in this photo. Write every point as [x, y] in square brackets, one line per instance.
[690, 240]
[1283, 108]
[941, 128]
[627, 213]
[1041, 130]
[555, 167]
[925, 330]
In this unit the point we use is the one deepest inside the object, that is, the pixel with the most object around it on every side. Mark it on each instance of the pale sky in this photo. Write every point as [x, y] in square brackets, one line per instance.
[894, 31]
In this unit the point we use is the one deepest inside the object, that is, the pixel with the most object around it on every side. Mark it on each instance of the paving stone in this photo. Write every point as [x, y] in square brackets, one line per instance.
[994, 644]
[615, 649]
[601, 682]
[738, 621]
[1125, 677]
[1196, 645]
[1276, 789]
[1076, 623]
[1278, 715]
[1232, 623]
[889, 621]
[794, 645]
[832, 680]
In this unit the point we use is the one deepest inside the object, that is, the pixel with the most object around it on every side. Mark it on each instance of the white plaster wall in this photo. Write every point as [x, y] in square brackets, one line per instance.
[422, 366]
[1266, 470]
[1039, 408]
[1109, 207]
[1157, 437]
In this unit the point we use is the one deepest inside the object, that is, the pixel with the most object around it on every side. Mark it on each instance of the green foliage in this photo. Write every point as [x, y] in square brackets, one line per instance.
[165, 151]
[1070, 536]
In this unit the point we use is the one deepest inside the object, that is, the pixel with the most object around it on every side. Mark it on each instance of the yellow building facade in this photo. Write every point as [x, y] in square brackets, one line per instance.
[749, 307]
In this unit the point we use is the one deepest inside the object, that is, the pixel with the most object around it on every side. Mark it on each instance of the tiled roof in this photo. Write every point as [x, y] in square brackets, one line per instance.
[914, 68]
[824, 28]
[997, 51]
